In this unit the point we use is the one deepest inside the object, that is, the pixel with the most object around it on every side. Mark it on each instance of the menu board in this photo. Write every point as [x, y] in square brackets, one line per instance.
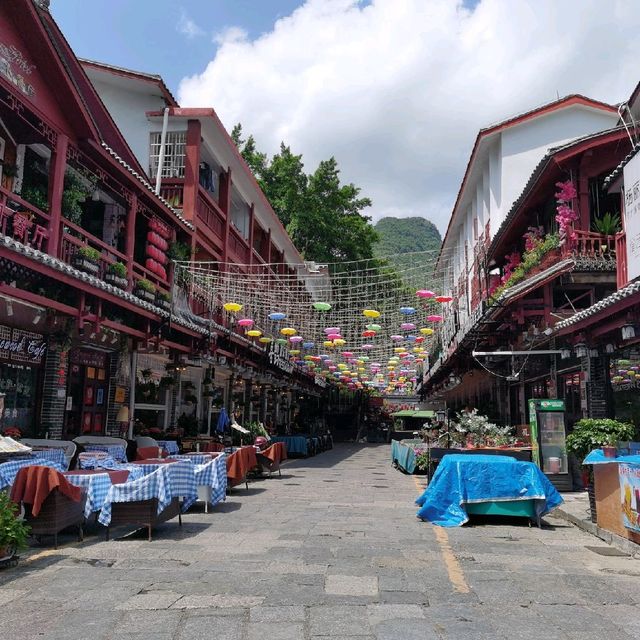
[629, 475]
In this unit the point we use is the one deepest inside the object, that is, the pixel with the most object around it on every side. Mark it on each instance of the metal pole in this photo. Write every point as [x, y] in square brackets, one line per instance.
[163, 139]
[132, 388]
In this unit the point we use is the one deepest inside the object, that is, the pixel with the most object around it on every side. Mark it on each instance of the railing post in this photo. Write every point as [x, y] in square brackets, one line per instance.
[225, 204]
[57, 169]
[130, 238]
[252, 212]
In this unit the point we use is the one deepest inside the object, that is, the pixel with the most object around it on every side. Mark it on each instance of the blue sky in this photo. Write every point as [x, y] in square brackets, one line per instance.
[174, 39]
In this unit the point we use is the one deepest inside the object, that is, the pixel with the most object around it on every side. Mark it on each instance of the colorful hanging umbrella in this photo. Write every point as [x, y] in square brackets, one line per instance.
[407, 326]
[425, 293]
[321, 306]
[254, 333]
[371, 313]
[245, 322]
[276, 316]
[288, 331]
[443, 298]
[232, 307]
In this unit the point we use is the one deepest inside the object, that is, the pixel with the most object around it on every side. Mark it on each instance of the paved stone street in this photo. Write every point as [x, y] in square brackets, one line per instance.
[330, 550]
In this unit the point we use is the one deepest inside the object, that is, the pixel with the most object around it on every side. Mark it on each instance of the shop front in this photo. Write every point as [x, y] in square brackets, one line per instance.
[21, 376]
[87, 392]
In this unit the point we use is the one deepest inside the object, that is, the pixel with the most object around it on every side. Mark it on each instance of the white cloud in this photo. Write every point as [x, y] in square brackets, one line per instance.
[398, 89]
[187, 27]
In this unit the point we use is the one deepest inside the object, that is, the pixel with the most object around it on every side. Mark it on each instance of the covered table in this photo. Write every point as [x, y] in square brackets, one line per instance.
[53, 455]
[116, 451]
[239, 463]
[195, 458]
[403, 454]
[170, 446]
[97, 483]
[9, 469]
[182, 477]
[488, 484]
[211, 479]
[295, 444]
[271, 457]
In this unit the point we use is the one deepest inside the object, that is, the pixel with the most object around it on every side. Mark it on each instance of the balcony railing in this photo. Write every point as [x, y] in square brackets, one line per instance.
[172, 191]
[238, 246]
[23, 221]
[210, 212]
[589, 244]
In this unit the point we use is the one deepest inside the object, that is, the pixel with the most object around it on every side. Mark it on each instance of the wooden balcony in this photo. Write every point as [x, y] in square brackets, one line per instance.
[209, 212]
[23, 221]
[172, 190]
[238, 246]
[589, 244]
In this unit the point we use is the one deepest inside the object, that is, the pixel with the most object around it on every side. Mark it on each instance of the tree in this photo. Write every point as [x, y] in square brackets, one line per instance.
[322, 216]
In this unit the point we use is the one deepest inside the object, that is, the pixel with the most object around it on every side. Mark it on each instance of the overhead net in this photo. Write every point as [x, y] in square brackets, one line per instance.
[366, 323]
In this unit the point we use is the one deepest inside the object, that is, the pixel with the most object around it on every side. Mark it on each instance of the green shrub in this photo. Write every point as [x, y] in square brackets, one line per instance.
[593, 433]
[89, 253]
[145, 285]
[118, 269]
[13, 531]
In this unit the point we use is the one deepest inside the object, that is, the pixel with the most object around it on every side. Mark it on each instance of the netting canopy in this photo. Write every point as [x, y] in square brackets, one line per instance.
[361, 323]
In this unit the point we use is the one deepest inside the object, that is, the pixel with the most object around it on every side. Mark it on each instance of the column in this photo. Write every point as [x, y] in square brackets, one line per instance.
[225, 205]
[57, 169]
[252, 211]
[130, 238]
[191, 169]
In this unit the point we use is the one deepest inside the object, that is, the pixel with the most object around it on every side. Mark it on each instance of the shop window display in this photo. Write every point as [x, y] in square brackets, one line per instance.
[18, 384]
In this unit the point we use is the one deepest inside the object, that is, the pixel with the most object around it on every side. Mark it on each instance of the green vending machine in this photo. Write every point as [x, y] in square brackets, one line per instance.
[548, 441]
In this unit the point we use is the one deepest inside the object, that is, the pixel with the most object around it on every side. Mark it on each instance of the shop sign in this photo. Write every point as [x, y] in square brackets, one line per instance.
[21, 346]
[632, 216]
[89, 358]
[12, 63]
[279, 357]
[629, 475]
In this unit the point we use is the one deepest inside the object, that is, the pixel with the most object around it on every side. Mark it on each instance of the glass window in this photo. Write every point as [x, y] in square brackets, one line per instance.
[18, 383]
[240, 214]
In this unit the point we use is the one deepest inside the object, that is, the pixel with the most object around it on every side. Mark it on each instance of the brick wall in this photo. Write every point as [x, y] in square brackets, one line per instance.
[56, 370]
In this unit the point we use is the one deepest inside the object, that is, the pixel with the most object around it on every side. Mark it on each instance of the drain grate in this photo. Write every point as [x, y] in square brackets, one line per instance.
[608, 551]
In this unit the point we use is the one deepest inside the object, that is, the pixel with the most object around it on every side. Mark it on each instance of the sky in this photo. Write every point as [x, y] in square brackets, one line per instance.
[396, 90]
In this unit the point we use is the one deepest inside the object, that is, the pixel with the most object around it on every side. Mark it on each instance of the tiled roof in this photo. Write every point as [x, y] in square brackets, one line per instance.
[598, 307]
[617, 172]
[145, 183]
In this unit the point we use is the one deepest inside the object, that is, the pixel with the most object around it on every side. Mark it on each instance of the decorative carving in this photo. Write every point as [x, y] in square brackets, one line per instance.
[73, 153]
[15, 104]
[48, 133]
[11, 63]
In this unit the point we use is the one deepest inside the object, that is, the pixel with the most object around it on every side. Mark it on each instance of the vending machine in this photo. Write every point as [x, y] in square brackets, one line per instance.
[548, 441]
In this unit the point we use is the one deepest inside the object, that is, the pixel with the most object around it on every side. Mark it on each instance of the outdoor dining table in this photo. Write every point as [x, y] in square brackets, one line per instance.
[170, 446]
[117, 451]
[239, 463]
[211, 479]
[182, 477]
[97, 482]
[295, 444]
[53, 454]
[9, 469]
[196, 458]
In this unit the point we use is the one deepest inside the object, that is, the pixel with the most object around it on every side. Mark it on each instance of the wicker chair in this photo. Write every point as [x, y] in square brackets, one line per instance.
[143, 513]
[67, 446]
[57, 513]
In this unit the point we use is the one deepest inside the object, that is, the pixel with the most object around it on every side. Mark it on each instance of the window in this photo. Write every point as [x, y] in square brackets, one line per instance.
[174, 150]
[240, 214]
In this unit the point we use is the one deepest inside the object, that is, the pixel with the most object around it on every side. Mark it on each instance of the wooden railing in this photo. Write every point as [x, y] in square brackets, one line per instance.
[238, 245]
[210, 212]
[589, 244]
[172, 191]
[622, 277]
[23, 221]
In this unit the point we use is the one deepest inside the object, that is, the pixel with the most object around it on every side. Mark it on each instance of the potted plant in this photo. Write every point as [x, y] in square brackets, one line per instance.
[145, 290]
[163, 300]
[87, 259]
[117, 275]
[13, 531]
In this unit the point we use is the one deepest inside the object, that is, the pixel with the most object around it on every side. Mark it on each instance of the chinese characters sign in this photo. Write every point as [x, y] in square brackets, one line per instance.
[13, 65]
[632, 216]
[630, 495]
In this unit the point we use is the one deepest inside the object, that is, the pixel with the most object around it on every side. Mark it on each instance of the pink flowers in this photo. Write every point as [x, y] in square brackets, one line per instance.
[512, 261]
[532, 238]
[566, 216]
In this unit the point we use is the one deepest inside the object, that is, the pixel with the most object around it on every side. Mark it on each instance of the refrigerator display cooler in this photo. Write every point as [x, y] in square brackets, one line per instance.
[548, 441]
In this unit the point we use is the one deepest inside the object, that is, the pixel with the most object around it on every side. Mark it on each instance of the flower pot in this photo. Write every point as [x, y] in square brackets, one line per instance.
[85, 265]
[116, 281]
[149, 296]
[609, 451]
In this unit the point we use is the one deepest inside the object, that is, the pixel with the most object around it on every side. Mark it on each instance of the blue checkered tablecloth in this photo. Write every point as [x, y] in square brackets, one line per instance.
[154, 485]
[87, 461]
[117, 451]
[194, 458]
[9, 470]
[54, 455]
[171, 446]
[214, 474]
[182, 479]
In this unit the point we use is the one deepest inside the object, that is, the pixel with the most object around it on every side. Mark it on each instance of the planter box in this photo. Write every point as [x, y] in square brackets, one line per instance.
[163, 304]
[86, 265]
[116, 281]
[149, 296]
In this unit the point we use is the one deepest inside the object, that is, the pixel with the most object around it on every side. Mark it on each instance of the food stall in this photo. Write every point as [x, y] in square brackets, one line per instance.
[617, 491]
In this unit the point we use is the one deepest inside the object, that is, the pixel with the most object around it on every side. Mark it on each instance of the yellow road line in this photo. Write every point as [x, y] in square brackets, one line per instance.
[456, 576]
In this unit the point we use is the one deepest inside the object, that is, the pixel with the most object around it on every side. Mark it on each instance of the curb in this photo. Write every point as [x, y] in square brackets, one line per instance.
[613, 539]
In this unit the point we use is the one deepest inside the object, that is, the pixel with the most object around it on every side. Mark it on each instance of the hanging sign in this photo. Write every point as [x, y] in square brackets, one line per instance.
[279, 357]
[629, 475]
[21, 346]
[13, 65]
[632, 216]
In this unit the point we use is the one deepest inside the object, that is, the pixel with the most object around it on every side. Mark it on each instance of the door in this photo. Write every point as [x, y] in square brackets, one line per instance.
[86, 401]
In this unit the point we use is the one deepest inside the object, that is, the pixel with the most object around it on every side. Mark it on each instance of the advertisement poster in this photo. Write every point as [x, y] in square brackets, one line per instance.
[630, 495]
[632, 216]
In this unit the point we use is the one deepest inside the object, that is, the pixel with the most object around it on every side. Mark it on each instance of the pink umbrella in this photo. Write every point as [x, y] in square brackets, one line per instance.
[397, 337]
[434, 318]
[295, 339]
[407, 326]
[425, 293]
[245, 322]
[329, 330]
[334, 336]
[367, 346]
[347, 354]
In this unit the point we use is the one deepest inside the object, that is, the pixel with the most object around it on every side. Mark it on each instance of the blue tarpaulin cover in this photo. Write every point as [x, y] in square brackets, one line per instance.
[403, 453]
[598, 457]
[461, 479]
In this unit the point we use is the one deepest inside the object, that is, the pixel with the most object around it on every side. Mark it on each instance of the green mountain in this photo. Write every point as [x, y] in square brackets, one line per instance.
[399, 236]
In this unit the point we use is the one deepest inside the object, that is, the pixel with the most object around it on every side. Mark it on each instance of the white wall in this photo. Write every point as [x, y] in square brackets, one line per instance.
[524, 145]
[128, 109]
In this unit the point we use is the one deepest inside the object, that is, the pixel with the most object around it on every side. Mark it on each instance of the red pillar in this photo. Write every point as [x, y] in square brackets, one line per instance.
[225, 205]
[191, 169]
[130, 238]
[57, 168]
[584, 221]
[252, 217]
[269, 246]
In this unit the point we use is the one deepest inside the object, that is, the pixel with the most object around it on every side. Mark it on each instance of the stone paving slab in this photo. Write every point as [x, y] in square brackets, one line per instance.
[296, 558]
